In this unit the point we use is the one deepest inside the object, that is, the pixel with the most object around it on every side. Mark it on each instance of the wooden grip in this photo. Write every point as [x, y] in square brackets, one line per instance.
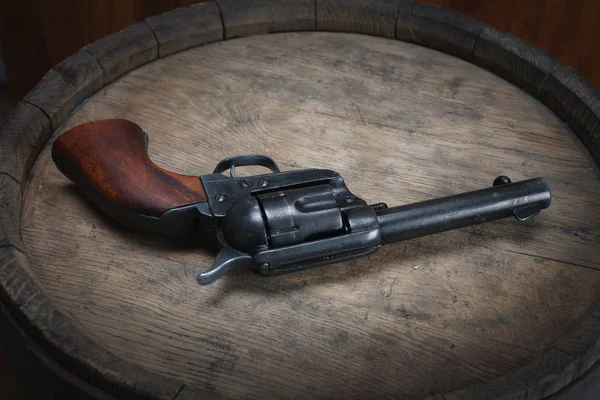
[108, 160]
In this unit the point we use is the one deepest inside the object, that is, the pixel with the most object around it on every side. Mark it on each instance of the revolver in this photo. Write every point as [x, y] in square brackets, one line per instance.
[273, 223]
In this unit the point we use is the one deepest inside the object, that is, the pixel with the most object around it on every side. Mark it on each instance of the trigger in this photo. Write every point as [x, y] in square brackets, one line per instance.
[227, 260]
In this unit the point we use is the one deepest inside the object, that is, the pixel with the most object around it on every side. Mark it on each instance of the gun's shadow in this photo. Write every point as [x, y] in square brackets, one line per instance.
[142, 239]
[474, 244]
[404, 255]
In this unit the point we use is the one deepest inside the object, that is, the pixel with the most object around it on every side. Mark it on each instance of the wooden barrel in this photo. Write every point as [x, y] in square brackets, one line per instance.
[408, 102]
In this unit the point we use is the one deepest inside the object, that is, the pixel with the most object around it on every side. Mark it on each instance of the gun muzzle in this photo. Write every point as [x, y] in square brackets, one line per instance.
[522, 200]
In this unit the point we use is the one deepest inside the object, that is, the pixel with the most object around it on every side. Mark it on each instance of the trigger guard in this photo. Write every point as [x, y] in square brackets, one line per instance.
[246, 160]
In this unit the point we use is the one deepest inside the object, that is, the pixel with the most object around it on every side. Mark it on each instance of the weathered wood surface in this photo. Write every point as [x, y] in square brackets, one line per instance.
[186, 27]
[577, 103]
[66, 85]
[22, 137]
[453, 33]
[513, 59]
[257, 17]
[401, 123]
[36, 310]
[372, 17]
[439, 28]
[10, 204]
[125, 50]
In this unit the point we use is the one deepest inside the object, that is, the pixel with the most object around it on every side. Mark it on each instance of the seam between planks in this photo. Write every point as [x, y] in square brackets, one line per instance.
[315, 15]
[223, 33]
[555, 260]
[14, 179]
[99, 64]
[178, 392]
[395, 18]
[42, 110]
[410, 22]
[155, 38]
[475, 43]
[14, 246]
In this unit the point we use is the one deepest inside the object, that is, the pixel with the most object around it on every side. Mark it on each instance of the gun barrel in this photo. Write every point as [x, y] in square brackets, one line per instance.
[520, 199]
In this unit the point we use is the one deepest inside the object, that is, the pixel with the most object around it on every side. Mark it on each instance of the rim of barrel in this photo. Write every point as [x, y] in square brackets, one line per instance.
[68, 85]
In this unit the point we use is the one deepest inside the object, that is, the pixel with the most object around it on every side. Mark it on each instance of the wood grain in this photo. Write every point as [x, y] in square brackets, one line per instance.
[34, 309]
[65, 86]
[582, 344]
[124, 50]
[404, 22]
[439, 28]
[401, 123]
[577, 103]
[10, 207]
[257, 17]
[187, 27]
[513, 59]
[370, 17]
[22, 137]
[542, 373]
[47, 34]
[108, 158]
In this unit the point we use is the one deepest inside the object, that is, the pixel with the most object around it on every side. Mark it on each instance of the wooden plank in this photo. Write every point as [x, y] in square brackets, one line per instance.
[257, 17]
[404, 22]
[10, 208]
[514, 60]
[25, 132]
[568, 95]
[125, 50]
[445, 30]
[187, 27]
[65, 86]
[371, 17]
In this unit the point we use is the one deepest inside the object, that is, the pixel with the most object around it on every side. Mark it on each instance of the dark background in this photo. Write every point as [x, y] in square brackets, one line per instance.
[37, 34]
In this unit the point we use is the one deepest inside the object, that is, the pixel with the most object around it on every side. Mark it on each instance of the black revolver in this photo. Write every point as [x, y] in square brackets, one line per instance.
[273, 223]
